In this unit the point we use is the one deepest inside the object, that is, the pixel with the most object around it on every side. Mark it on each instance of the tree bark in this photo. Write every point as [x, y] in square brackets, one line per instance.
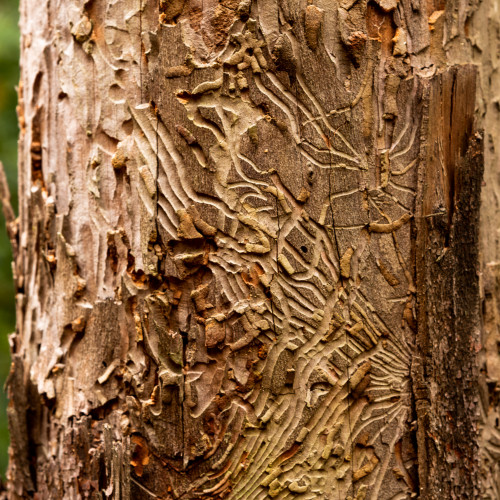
[250, 248]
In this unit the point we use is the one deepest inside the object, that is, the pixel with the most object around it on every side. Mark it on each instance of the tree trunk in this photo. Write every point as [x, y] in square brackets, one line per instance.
[249, 254]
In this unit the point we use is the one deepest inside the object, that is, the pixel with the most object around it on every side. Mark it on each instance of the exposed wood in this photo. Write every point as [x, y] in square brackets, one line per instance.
[447, 265]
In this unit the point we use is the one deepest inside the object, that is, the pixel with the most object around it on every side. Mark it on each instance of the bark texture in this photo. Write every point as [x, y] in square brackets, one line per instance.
[248, 255]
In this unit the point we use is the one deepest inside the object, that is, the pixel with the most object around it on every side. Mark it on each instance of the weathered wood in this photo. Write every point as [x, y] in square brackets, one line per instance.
[245, 268]
[447, 266]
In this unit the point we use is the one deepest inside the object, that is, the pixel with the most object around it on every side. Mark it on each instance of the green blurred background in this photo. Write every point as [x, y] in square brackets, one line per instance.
[9, 77]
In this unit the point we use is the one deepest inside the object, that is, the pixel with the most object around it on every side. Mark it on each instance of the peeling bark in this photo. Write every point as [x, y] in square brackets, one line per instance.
[249, 253]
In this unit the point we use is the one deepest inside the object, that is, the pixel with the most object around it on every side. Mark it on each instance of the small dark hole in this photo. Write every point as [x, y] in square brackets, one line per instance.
[250, 51]
[496, 422]
[303, 248]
